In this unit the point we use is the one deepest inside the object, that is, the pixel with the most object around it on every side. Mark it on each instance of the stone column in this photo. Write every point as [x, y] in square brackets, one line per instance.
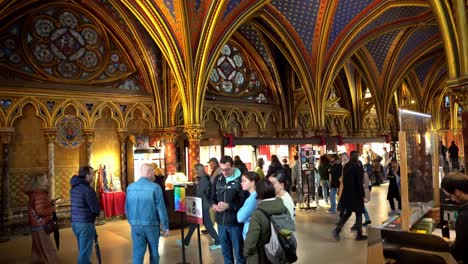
[169, 136]
[50, 134]
[195, 133]
[123, 133]
[459, 89]
[89, 136]
[6, 135]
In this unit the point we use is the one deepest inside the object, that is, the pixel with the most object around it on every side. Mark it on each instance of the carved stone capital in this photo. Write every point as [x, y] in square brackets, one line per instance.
[50, 134]
[459, 89]
[169, 134]
[6, 134]
[194, 132]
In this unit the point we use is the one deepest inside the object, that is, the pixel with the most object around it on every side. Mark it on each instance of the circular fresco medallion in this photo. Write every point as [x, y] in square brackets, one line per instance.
[90, 36]
[68, 19]
[89, 60]
[43, 54]
[44, 27]
[67, 69]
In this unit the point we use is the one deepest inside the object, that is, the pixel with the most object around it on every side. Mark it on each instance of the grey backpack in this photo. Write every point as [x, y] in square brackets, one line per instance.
[283, 244]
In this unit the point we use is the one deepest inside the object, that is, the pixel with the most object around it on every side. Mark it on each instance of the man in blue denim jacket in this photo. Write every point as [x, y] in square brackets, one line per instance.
[145, 211]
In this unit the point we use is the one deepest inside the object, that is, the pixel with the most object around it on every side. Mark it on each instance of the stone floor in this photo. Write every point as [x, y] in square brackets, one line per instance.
[315, 243]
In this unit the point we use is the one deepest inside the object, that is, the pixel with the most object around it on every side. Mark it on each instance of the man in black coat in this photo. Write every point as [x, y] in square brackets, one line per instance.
[453, 152]
[335, 175]
[352, 197]
[455, 186]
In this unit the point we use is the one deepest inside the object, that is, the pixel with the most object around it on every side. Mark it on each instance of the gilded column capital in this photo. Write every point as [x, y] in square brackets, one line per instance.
[459, 90]
[169, 134]
[195, 132]
[50, 134]
[6, 134]
[122, 133]
[88, 134]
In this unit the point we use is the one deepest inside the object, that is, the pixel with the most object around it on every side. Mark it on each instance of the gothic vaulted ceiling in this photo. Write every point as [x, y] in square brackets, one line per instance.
[310, 47]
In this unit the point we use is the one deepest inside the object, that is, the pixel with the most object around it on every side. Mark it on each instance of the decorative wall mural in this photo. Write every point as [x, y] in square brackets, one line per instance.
[69, 132]
[65, 43]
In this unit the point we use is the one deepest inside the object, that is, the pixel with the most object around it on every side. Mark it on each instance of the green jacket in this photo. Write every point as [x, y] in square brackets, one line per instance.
[260, 230]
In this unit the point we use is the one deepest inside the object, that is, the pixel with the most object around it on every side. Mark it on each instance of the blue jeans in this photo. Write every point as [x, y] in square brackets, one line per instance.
[231, 239]
[141, 237]
[366, 214]
[85, 234]
[325, 186]
[333, 192]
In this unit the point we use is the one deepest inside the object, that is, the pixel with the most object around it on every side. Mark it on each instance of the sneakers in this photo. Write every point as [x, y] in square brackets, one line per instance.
[360, 237]
[179, 243]
[392, 213]
[366, 223]
[336, 235]
[215, 246]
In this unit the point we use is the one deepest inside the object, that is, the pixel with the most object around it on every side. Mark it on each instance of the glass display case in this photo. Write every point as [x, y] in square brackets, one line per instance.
[419, 168]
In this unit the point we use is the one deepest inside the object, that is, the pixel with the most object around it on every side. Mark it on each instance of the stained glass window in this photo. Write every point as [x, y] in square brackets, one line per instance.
[233, 76]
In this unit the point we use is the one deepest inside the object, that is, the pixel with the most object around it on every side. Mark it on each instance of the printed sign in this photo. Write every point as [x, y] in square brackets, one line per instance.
[194, 210]
[179, 199]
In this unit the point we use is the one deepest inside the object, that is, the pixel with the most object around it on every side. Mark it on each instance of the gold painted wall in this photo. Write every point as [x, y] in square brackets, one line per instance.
[28, 153]
[66, 165]
[106, 146]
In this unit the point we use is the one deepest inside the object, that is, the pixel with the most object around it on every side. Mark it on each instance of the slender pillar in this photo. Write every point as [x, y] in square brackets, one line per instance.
[169, 136]
[89, 136]
[123, 158]
[194, 135]
[6, 135]
[50, 134]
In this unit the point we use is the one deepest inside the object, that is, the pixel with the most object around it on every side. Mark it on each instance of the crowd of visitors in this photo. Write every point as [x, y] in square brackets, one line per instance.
[242, 203]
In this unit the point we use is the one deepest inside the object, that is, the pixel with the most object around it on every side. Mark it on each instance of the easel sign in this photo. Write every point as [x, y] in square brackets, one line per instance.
[179, 199]
[194, 210]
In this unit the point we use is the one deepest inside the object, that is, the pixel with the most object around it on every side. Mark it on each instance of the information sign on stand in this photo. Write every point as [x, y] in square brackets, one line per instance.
[194, 210]
[180, 206]
[179, 199]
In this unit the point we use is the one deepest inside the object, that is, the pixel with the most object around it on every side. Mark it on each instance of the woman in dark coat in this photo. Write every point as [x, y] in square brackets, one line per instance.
[352, 197]
[275, 166]
[393, 189]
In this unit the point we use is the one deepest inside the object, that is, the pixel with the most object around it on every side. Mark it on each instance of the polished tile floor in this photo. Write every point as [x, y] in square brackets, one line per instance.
[315, 243]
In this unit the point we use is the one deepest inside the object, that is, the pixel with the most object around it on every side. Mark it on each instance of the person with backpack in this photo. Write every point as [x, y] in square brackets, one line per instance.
[203, 190]
[227, 198]
[261, 230]
[278, 179]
